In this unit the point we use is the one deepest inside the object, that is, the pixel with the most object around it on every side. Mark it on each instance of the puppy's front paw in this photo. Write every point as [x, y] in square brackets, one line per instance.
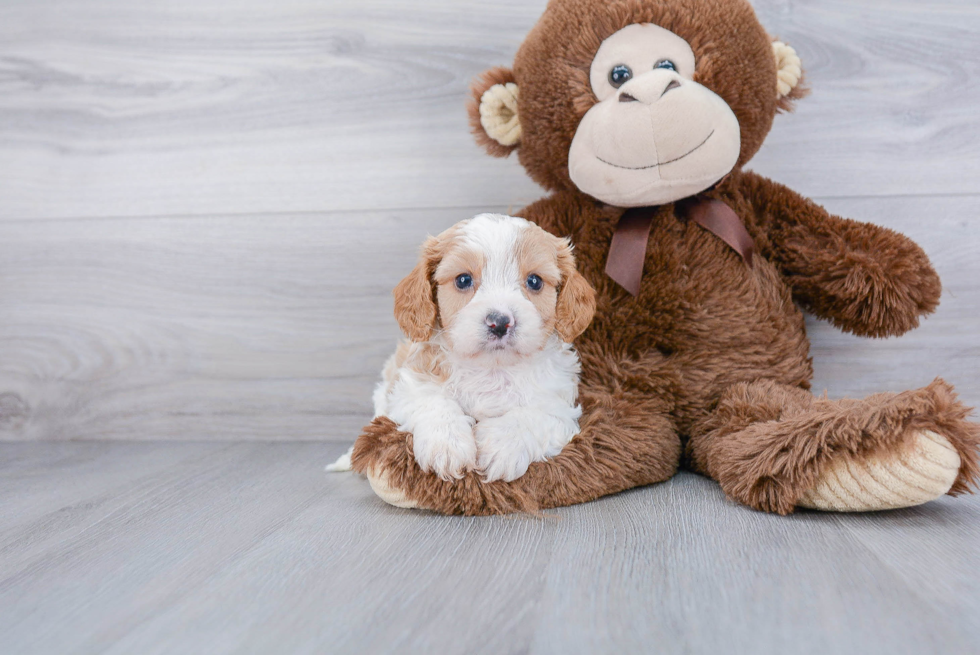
[503, 452]
[447, 449]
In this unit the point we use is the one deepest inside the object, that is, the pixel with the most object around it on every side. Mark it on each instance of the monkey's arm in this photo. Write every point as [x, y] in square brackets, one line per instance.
[863, 278]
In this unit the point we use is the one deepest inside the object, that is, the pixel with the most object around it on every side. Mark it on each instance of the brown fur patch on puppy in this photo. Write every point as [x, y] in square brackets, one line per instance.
[415, 303]
[576, 299]
[457, 260]
[537, 253]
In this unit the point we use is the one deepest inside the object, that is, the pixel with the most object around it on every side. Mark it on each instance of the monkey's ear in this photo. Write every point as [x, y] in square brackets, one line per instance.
[576, 299]
[415, 304]
[789, 75]
[493, 112]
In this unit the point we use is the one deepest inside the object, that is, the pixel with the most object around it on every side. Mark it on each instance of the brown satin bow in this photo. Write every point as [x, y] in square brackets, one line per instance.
[627, 251]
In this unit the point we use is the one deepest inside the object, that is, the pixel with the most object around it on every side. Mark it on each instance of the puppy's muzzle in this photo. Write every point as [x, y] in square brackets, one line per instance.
[499, 324]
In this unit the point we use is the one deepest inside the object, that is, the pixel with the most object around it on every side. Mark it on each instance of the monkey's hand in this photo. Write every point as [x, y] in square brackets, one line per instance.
[863, 278]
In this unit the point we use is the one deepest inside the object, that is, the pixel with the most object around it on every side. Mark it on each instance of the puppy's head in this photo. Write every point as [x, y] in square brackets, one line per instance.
[495, 286]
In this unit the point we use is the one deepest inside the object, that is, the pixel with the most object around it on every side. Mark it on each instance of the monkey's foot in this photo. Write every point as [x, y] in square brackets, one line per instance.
[923, 470]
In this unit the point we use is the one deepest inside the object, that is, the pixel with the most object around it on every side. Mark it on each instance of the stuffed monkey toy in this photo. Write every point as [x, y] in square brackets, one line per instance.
[638, 117]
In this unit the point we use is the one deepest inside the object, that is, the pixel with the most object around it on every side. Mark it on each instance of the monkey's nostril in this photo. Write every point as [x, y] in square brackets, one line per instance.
[674, 84]
[625, 97]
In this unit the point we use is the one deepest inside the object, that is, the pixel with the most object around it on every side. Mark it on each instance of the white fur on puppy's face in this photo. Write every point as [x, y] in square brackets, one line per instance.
[499, 252]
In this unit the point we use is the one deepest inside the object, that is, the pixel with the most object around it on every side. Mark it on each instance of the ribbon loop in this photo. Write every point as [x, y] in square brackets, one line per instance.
[627, 251]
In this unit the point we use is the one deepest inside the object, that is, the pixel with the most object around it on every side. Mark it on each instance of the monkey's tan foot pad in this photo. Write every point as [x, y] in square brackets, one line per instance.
[922, 472]
[392, 496]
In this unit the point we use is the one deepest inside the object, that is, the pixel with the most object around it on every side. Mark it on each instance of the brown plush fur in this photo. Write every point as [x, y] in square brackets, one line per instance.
[585, 470]
[734, 59]
[493, 76]
[712, 353]
[767, 442]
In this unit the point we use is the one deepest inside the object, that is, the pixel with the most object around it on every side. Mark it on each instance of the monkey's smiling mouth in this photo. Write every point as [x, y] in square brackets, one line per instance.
[660, 163]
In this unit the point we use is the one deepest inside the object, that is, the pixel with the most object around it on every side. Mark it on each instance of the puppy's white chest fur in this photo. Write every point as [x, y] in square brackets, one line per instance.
[490, 392]
[465, 414]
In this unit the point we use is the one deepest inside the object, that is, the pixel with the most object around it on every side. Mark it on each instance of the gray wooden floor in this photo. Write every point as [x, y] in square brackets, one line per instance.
[248, 547]
[204, 205]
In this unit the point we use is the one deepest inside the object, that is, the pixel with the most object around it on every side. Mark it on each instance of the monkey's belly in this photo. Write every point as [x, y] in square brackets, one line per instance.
[712, 318]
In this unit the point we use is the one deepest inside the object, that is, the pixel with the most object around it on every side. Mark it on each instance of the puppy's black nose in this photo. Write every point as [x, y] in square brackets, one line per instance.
[498, 324]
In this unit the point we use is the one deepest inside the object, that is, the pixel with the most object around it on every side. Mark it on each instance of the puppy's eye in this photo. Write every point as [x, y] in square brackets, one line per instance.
[534, 282]
[464, 281]
[620, 75]
[665, 63]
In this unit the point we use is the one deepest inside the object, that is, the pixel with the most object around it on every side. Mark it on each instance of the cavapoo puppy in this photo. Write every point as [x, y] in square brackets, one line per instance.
[488, 380]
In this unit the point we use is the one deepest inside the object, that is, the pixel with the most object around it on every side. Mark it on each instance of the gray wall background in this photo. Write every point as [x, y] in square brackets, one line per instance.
[204, 205]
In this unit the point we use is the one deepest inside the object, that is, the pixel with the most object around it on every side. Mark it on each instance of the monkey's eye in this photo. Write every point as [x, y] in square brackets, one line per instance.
[620, 75]
[534, 282]
[464, 281]
[665, 63]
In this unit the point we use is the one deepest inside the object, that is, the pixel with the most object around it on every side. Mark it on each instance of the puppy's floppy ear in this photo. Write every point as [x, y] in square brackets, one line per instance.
[493, 112]
[415, 304]
[576, 298]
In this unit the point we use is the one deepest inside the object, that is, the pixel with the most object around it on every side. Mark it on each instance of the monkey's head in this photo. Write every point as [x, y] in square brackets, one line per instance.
[637, 102]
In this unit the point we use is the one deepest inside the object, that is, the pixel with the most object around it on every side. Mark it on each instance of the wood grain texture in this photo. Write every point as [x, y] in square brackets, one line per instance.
[227, 548]
[115, 108]
[276, 327]
[261, 327]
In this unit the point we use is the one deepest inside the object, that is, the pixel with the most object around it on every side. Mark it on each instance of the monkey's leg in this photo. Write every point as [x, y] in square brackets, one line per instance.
[775, 447]
[624, 442]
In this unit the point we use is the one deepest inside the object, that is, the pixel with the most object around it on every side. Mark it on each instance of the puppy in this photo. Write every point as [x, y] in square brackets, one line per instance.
[488, 380]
